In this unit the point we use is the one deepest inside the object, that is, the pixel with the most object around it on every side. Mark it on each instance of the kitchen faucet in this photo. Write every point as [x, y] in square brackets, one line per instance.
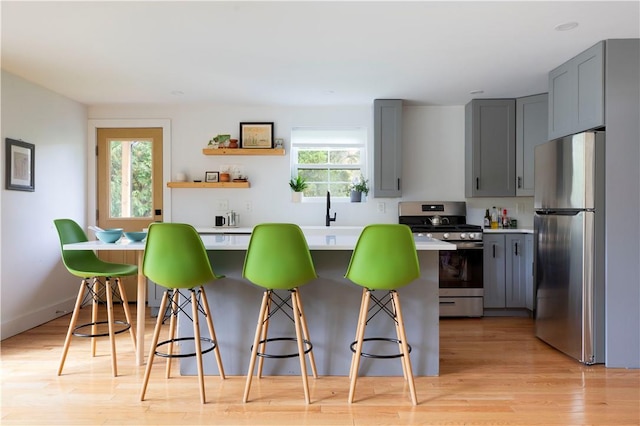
[328, 218]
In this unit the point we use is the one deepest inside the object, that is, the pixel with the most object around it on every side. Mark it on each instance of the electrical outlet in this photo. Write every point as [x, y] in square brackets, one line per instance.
[520, 208]
[248, 206]
[381, 207]
[223, 205]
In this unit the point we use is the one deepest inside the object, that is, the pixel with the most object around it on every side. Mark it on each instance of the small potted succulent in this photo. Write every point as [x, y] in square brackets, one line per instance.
[298, 185]
[358, 187]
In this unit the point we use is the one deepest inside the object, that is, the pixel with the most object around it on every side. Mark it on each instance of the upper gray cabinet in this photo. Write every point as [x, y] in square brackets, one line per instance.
[387, 147]
[490, 148]
[531, 130]
[576, 93]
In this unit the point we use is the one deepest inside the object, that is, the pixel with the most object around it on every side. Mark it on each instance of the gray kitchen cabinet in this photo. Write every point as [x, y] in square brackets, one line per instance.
[490, 148]
[531, 130]
[530, 291]
[387, 147]
[576, 93]
[515, 270]
[504, 271]
[493, 270]
[154, 297]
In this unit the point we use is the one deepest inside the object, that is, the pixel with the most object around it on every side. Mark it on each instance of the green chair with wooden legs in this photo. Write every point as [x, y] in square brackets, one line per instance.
[86, 265]
[385, 259]
[175, 258]
[278, 258]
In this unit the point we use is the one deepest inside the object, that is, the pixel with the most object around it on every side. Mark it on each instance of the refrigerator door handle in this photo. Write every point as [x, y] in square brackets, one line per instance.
[549, 212]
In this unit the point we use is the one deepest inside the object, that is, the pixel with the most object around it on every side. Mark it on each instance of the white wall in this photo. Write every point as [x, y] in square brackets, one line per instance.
[433, 161]
[34, 285]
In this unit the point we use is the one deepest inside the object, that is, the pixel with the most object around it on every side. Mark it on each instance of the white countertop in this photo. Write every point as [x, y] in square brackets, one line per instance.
[318, 238]
[508, 231]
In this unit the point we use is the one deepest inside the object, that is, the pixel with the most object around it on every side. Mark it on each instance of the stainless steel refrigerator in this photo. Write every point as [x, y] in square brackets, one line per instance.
[569, 245]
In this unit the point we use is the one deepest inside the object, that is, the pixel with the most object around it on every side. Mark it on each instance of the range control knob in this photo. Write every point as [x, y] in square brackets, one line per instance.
[430, 235]
[472, 236]
[463, 236]
[445, 236]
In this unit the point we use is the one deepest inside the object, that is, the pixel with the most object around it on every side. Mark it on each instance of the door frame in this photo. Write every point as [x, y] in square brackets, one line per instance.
[92, 160]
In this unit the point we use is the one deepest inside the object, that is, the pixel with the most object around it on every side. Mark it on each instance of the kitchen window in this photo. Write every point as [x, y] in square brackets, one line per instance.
[329, 159]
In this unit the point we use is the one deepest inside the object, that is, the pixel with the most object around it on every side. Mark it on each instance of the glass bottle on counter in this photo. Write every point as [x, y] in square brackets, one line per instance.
[494, 218]
[505, 219]
[487, 219]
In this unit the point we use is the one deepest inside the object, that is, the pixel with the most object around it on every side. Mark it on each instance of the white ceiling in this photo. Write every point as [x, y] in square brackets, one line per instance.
[302, 52]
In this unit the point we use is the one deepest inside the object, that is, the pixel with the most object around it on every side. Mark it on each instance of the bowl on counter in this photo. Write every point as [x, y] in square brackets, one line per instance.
[135, 236]
[109, 235]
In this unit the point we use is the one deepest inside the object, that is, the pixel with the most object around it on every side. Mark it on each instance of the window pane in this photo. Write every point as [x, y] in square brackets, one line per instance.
[131, 194]
[344, 156]
[312, 156]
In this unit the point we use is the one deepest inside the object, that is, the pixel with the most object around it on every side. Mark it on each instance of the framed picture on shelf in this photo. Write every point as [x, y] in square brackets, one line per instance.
[20, 165]
[256, 135]
[212, 177]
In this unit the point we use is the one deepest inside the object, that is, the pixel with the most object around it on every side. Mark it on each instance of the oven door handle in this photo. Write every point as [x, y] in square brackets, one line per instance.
[478, 245]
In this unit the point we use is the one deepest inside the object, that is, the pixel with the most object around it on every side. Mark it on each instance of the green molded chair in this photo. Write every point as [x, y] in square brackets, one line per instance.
[384, 258]
[278, 258]
[175, 258]
[86, 265]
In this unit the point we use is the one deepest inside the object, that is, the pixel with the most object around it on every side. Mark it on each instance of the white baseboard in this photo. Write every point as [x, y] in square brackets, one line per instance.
[36, 318]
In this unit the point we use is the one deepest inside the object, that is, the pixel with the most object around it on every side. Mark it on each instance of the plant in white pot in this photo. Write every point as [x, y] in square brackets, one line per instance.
[298, 185]
[358, 187]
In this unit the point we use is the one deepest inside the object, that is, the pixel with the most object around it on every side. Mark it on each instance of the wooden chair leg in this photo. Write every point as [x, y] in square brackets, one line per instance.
[254, 350]
[305, 331]
[405, 350]
[299, 337]
[95, 303]
[212, 331]
[112, 333]
[265, 333]
[173, 314]
[399, 334]
[353, 357]
[198, 343]
[72, 325]
[364, 308]
[127, 312]
[154, 344]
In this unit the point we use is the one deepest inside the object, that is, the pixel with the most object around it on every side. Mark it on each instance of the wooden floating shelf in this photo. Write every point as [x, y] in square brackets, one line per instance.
[243, 151]
[208, 184]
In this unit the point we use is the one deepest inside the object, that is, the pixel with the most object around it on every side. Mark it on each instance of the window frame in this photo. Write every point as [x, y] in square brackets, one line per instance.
[360, 144]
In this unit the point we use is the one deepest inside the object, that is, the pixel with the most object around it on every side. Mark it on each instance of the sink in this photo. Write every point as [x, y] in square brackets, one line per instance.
[332, 230]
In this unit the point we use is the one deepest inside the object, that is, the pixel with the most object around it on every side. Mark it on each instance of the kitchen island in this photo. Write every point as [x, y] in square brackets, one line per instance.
[331, 304]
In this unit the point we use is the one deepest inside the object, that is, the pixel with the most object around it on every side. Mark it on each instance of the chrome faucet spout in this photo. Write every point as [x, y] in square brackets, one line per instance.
[328, 218]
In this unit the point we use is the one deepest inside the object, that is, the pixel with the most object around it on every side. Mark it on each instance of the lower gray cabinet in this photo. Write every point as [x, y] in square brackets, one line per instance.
[505, 271]
[493, 271]
[515, 282]
[530, 291]
[154, 297]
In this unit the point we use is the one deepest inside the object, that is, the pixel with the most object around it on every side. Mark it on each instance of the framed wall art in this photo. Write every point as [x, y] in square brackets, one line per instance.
[212, 176]
[256, 135]
[20, 165]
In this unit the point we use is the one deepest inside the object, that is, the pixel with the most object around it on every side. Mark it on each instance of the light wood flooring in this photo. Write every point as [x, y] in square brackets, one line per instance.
[492, 371]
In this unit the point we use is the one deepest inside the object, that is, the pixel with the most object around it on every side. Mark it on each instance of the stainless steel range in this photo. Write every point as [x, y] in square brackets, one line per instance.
[460, 270]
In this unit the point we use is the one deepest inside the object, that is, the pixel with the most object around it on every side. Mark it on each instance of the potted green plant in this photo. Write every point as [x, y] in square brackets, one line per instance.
[298, 185]
[357, 188]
